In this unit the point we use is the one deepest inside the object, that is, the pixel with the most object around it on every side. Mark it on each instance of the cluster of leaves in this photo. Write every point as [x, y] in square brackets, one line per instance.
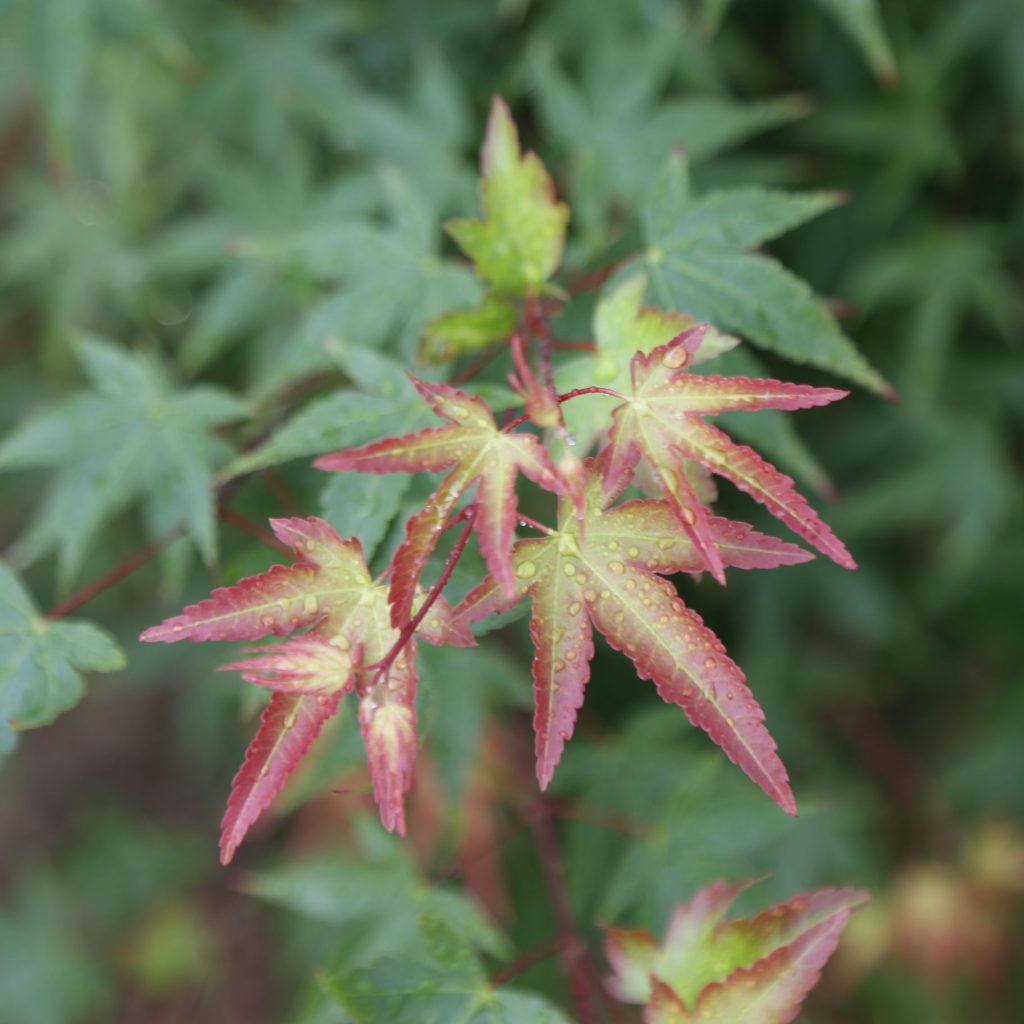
[222, 250]
[601, 566]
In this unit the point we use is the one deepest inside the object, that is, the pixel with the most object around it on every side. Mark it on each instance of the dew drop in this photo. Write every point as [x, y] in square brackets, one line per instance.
[690, 516]
[574, 608]
[178, 628]
[617, 567]
[710, 663]
[613, 545]
[631, 584]
[605, 594]
[569, 569]
[665, 544]
[675, 358]
[633, 552]
[321, 700]
[589, 596]
[267, 621]
[526, 570]
[310, 605]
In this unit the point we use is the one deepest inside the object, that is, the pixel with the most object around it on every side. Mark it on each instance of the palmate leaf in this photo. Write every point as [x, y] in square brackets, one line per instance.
[662, 423]
[699, 260]
[623, 326]
[42, 661]
[131, 437]
[746, 971]
[478, 451]
[518, 245]
[329, 589]
[603, 572]
[438, 979]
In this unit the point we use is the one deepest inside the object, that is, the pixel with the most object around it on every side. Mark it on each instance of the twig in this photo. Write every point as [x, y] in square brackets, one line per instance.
[118, 573]
[525, 962]
[528, 521]
[572, 951]
[225, 515]
[383, 667]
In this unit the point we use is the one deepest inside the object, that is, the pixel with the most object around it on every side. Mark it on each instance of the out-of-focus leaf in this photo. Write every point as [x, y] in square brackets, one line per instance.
[42, 661]
[132, 437]
[518, 245]
[47, 974]
[698, 264]
[440, 980]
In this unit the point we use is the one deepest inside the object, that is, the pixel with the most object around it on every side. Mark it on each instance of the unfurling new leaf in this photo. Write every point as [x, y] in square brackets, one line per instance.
[745, 971]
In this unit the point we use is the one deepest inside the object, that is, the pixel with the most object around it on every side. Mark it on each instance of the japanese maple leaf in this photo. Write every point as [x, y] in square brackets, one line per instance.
[662, 422]
[746, 971]
[328, 589]
[475, 450]
[603, 571]
[518, 245]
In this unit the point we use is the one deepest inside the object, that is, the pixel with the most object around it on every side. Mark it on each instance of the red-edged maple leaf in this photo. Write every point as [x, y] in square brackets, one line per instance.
[328, 589]
[601, 571]
[746, 971]
[661, 421]
[479, 452]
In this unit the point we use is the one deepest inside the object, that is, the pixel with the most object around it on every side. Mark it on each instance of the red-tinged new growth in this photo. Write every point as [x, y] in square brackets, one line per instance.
[475, 451]
[603, 572]
[746, 971]
[662, 422]
[328, 589]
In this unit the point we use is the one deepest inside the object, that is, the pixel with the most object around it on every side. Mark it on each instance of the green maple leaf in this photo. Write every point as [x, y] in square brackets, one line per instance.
[440, 979]
[42, 661]
[604, 571]
[132, 437]
[518, 245]
[699, 259]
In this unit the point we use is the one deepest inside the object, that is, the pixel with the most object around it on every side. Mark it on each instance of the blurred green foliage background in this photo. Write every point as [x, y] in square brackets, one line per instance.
[247, 197]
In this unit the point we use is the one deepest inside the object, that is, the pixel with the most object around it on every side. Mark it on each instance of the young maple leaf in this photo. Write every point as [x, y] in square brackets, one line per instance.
[746, 971]
[328, 589]
[601, 571]
[662, 422]
[518, 245]
[478, 451]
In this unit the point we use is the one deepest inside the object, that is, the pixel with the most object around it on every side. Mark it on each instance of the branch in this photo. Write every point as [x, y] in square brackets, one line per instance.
[572, 950]
[118, 573]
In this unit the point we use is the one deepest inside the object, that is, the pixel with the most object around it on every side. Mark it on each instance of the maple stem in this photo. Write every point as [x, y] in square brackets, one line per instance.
[383, 667]
[596, 278]
[118, 573]
[582, 345]
[480, 363]
[525, 962]
[572, 951]
[240, 522]
[528, 521]
[568, 396]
